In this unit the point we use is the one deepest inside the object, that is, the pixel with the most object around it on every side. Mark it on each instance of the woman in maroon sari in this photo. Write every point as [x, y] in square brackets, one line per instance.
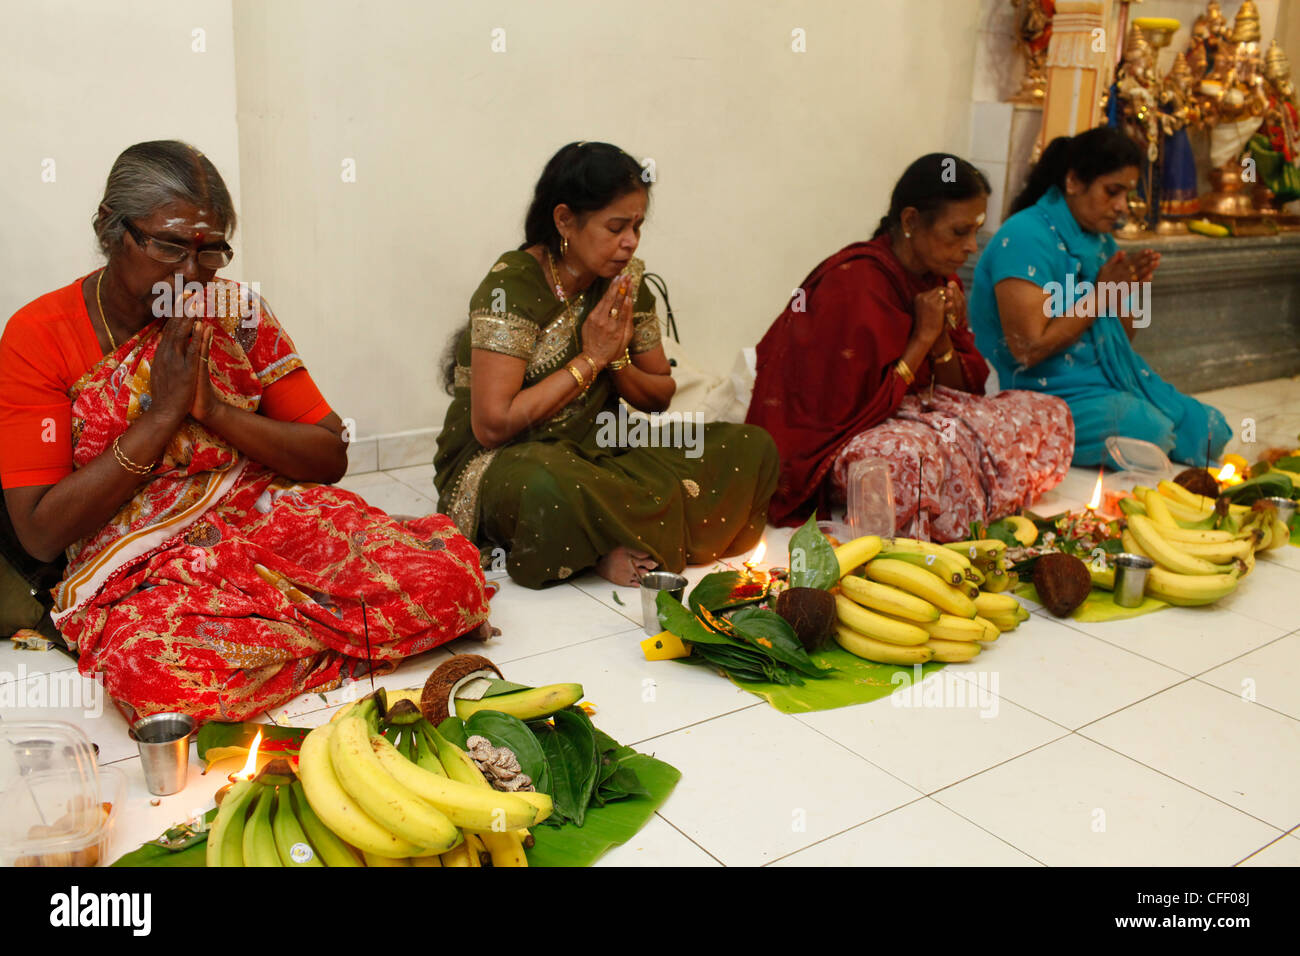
[873, 358]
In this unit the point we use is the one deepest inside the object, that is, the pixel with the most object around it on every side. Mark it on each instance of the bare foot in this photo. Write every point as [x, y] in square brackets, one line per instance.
[623, 566]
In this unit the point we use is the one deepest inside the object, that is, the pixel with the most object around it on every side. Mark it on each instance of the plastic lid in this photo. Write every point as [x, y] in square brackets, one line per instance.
[48, 778]
[1139, 456]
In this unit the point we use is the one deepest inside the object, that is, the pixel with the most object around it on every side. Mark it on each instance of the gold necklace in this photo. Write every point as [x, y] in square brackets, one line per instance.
[565, 300]
[98, 302]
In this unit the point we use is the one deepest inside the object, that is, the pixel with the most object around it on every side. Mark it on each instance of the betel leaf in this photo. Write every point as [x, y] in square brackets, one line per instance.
[503, 730]
[1270, 484]
[675, 618]
[576, 717]
[812, 559]
[774, 635]
[1005, 532]
[453, 731]
[570, 749]
[1289, 463]
[715, 591]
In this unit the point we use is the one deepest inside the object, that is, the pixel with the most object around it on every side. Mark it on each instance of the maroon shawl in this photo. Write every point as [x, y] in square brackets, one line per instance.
[826, 366]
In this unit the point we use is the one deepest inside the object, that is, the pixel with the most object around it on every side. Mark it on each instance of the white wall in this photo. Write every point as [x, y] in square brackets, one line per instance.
[768, 160]
[80, 82]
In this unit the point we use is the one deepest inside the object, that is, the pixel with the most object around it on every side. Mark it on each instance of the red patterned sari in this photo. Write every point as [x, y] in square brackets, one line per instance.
[223, 589]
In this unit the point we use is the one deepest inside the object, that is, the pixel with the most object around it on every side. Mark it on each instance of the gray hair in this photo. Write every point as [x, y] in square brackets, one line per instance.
[149, 175]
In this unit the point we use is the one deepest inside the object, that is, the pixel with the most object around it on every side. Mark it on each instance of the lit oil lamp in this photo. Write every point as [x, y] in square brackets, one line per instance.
[751, 575]
[247, 772]
[1095, 501]
[1227, 476]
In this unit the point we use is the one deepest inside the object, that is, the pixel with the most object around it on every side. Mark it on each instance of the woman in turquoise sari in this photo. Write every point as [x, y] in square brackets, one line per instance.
[1055, 307]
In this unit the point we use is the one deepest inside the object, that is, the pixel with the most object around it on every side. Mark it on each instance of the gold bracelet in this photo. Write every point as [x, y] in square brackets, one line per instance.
[127, 463]
[945, 357]
[620, 363]
[904, 372]
[592, 362]
[582, 382]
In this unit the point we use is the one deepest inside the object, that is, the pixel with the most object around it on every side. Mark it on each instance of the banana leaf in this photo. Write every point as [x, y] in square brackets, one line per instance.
[1099, 605]
[852, 681]
[812, 559]
[606, 826]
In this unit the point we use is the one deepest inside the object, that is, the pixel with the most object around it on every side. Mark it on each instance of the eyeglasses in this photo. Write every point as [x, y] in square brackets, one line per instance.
[161, 250]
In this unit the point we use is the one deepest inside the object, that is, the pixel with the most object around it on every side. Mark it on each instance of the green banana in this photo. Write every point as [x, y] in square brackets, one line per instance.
[226, 838]
[259, 837]
[532, 704]
[426, 755]
[331, 850]
[291, 843]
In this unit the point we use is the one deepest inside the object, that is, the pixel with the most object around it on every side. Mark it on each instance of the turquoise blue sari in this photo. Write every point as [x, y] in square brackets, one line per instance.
[1110, 389]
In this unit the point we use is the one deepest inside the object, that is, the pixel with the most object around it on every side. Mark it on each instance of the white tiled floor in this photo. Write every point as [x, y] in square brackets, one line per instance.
[1170, 739]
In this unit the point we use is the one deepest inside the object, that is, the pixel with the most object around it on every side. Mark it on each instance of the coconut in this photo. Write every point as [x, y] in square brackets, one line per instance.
[438, 700]
[1062, 581]
[1198, 481]
[811, 612]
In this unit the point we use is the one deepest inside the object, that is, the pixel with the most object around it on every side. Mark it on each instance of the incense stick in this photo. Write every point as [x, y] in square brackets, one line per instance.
[370, 663]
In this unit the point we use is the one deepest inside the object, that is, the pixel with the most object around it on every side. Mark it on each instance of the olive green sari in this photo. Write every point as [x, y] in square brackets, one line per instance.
[570, 489]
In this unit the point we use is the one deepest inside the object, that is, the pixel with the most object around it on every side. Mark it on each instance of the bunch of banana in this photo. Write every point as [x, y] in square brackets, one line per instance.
[268, 822]
[906, 612]
[951, 567]
[1181, 576]
[413, 799]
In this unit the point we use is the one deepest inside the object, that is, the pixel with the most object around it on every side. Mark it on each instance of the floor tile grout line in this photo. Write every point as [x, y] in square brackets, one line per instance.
[1006, 760]
[1284, 835]
[1255, 703]
[702, 849]
[849, 829]
[1166, 774]
[705, 720]
[996, 836]
[1186, 679]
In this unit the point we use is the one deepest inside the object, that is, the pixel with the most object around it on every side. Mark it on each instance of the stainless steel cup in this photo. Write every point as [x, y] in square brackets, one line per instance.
[1131, 578]
[651, 584]
[164, 742]
[1285, 507]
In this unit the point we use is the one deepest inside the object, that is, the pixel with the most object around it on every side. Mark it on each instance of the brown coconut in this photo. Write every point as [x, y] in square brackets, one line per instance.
[1198, 481]
[811, 612]
[437, 701]
[1062, 581]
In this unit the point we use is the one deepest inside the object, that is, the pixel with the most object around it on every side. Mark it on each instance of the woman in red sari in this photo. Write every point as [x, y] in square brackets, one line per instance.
[873, 358]
[176, 449]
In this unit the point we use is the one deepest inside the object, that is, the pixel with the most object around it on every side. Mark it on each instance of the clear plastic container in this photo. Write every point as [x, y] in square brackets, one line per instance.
[1145, 462]
[53, 795]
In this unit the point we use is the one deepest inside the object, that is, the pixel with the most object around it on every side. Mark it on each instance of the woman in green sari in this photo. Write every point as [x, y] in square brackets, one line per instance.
[538, 455]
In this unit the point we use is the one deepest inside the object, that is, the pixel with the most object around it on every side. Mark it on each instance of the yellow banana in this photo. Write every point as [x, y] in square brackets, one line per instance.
[1280, 534]
[978, 549]
[1159, 512]
[875, 625]
[951, 628]
[953, 652]
[951, 567]
[477, 851]
[924, 585]
[506, 848]
[1188, 590]
[879, 651]
[463, 804]
[429, 860]
[995, 602]
[391, 804]
[1147, 535]
[997, 583]
[457, 856]
[888, 600]
[336, 809]
[375, 860]
[991, 632]
[1222, 552]
[1199, 503]
[855, 553]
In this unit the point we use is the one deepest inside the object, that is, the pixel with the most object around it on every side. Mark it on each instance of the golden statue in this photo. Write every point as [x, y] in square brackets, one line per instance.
[1034, 31]
[1275, 148]
[1138, 88]
[1233, 90]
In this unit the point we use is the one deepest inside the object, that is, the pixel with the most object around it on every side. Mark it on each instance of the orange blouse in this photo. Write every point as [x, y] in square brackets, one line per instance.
[46, 347]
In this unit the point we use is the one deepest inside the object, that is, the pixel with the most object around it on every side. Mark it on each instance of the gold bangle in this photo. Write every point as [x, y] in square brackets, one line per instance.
[621, 363]
[582, 382]
[592, 362]
[904, 372]
[127, 463]
[945, 357]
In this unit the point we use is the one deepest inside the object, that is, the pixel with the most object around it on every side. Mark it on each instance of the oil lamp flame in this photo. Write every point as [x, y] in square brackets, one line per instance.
[1095, 502]
[1227, 472]
[250, 765]
[757, 556]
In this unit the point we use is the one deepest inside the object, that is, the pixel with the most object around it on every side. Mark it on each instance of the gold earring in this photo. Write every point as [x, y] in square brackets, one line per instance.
[564, 247]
